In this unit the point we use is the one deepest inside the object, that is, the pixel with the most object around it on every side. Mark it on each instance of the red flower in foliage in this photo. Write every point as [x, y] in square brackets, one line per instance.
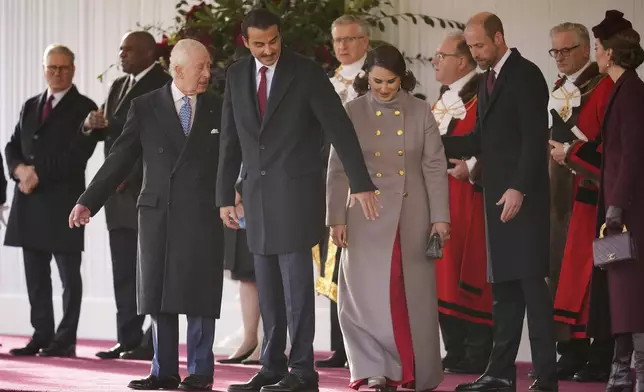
[190, 15]
[163, 48]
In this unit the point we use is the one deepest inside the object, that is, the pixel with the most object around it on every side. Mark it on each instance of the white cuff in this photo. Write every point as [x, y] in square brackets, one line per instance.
[470, 167]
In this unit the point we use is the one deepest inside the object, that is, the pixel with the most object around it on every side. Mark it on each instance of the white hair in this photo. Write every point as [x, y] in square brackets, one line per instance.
[57, 48]
[183, 52]
[352, 19]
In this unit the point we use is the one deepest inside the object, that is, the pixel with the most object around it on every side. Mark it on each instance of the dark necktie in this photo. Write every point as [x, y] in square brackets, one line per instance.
[262, 91]
[47, 108]
[124, 89]
[491, 79]
[560, 82]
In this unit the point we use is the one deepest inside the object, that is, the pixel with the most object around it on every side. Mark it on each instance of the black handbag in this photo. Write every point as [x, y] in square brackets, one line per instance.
[434, 248]
[612, 249]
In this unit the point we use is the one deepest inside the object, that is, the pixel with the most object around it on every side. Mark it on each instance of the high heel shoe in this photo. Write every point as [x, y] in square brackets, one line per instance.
[238, 359]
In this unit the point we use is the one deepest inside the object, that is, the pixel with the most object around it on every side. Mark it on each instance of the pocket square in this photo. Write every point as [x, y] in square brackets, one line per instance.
[215, 130]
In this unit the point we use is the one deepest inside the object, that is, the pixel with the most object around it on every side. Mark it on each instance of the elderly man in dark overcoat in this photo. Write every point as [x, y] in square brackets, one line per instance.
[175, 131]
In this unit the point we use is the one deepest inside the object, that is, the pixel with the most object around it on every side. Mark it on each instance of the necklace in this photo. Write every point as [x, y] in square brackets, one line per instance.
[453, 109]
[565, 110]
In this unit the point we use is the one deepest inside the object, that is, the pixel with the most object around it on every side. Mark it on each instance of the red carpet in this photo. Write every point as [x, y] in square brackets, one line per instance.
[90, 374]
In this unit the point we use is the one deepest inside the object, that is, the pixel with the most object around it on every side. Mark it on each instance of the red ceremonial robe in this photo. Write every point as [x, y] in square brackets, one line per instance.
[461, 276]
[584, 158]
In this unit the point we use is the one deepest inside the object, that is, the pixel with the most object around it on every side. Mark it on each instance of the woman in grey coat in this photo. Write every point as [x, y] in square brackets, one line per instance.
[387, 301]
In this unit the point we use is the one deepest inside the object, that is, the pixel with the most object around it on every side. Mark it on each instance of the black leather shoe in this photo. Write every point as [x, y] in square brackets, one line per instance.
[112, 353]
[293, 383]
[141, 353]
[196, 383]
[57, 350]
[592, 374]
[153, 383]
[542, 386]
[336, 360]
[30, 349]
[238, 359]
[255, 384]
[451, 361]
[467, 367]
[488, 384]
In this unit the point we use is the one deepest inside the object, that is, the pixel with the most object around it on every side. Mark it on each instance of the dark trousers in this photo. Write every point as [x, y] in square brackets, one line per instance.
[123, 246]
[165, 336]
[511, 299]
[38, 275]
[580, 352]
[284, 282]
[465, 340]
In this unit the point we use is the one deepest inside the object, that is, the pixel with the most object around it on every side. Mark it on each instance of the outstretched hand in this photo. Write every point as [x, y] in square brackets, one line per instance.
[370, 204]
[79, 216]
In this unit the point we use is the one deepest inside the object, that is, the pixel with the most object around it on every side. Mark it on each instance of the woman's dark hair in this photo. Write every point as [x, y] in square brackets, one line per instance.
[389, 58]
[260, 18]
[627, 51]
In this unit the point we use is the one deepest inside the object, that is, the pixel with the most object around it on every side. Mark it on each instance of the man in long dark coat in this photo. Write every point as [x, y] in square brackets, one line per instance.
[511, 141]
[46, 157]
[142, 75]
[175, 131]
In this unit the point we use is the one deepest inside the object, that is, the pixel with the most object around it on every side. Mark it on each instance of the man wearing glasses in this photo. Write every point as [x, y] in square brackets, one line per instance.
[465, 296]
[46, 157]
[577, 104]
[350, 44]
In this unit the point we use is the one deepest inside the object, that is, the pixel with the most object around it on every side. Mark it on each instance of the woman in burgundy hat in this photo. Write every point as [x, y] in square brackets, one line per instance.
[619, 54]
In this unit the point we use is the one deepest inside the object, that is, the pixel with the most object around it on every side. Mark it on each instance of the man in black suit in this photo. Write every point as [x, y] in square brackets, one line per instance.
[47, 156]
[278, 106]
[138, 54]
[175, 132]
[511, 140]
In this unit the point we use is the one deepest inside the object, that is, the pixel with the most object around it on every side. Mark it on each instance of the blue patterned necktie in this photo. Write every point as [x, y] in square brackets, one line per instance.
[184, 115]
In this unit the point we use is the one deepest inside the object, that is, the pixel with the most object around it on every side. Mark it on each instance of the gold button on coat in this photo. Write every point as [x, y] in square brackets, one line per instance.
[397, 112]
[378, 132]
[404, 194]
[378, 174]
[378, 113]
[377, 192]
[400, 132]
[401, 172]
[377, 153]
[400, 153]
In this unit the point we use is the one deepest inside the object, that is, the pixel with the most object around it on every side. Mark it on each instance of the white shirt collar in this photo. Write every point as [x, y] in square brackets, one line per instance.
[499, 65]
[259, 65]
[574, 76]
[57, 95]
[350, 71]
[141, 74]
[458, 85]
[177, 95]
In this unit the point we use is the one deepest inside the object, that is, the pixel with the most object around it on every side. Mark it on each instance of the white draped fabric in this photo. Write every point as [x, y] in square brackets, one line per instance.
[93, 29]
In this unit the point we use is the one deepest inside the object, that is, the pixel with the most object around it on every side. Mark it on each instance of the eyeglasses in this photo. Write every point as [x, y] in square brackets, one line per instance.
[565, 52]
[346, 40]
[52, 69]
[440, 56]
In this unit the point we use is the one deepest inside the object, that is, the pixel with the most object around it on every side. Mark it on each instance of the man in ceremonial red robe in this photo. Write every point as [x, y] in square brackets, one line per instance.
[577, 105]
[464, 295]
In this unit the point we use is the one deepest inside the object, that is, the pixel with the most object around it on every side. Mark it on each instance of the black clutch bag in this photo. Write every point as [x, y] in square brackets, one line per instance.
[613, 249]
[434, 248]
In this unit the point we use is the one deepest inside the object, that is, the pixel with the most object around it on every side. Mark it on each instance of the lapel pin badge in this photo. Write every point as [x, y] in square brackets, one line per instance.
[215, 130]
